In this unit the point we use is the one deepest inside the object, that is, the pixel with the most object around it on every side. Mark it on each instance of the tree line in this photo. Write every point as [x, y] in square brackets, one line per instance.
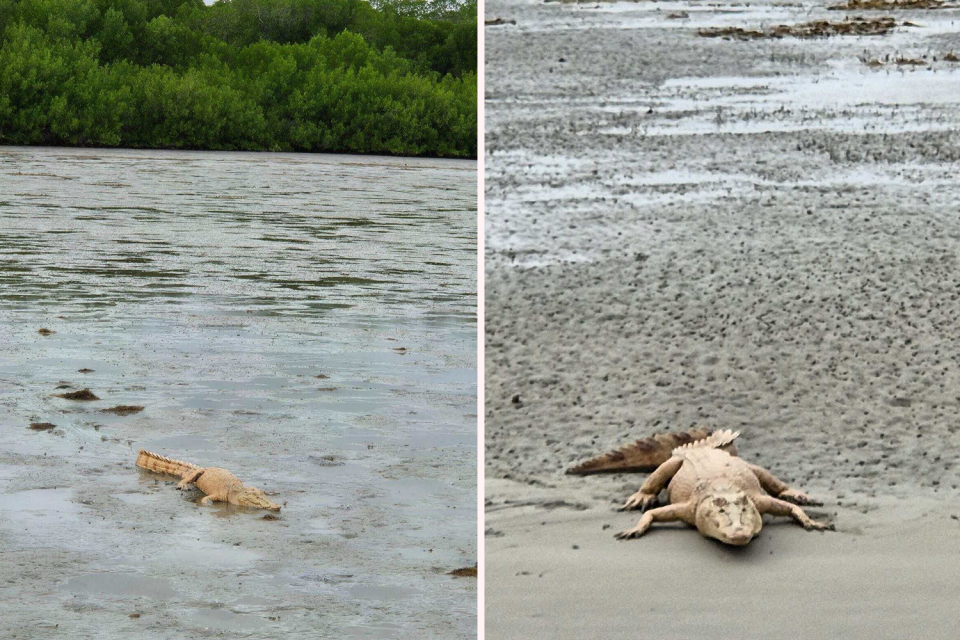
[278, 75]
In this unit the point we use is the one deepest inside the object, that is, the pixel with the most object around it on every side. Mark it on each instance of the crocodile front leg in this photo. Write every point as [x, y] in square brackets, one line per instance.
[669, 513]
[654, 484]
[778, 488]
[776, 507]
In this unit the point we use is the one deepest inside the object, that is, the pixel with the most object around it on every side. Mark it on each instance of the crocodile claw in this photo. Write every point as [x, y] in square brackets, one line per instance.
[800, 498]
[639, 500]
[636, 532]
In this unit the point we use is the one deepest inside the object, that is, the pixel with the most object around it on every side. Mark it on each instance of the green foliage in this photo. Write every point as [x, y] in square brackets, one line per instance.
[298, 75]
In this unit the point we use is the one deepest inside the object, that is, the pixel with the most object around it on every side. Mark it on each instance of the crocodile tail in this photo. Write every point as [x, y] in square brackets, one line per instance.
[162, 464]
[722, 439]
[642, 455]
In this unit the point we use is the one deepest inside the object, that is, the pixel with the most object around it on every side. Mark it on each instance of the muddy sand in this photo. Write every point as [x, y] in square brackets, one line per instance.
[210, 289]
[758, 235]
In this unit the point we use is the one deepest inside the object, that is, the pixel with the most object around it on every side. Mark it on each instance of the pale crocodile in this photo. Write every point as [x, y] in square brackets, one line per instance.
[218, 484]
[710, 488]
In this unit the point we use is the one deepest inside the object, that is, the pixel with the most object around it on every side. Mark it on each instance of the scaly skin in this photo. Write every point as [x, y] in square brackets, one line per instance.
[218, 484]
[713, 490]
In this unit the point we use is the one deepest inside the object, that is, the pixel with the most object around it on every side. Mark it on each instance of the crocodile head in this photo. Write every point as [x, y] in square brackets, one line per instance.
[253, 497]
[728, 515]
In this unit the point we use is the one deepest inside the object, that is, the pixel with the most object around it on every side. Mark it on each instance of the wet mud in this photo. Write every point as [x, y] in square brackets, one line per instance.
[215, 313]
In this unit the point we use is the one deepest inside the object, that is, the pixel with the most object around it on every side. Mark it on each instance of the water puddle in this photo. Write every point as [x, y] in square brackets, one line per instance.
[140, 499]
[124, 585]
[39, 507]
[372, 631]
[381, 592]
[180, 443]
[225, 620]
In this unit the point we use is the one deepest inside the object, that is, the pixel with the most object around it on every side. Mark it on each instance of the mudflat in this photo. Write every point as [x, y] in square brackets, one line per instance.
[243, 311]
[748, 234]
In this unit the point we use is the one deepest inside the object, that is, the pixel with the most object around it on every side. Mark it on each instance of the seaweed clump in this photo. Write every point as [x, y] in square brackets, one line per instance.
[124, 409]
[466, 572]
[816, 29]
[83, 394]
[890, 5]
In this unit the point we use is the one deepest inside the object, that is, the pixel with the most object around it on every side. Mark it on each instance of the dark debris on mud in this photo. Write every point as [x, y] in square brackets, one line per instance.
[902, 61]
[83, 394]
[328, 460]
[890, 5]
[124, 409]
[496, 22]
[816, 29]
[465, 572]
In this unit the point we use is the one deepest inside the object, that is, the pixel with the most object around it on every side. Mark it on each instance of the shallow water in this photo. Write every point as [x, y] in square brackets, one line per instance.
[308, 322]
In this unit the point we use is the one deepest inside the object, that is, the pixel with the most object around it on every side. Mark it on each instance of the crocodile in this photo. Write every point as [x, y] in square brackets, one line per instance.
[710, 488]
[218, 484]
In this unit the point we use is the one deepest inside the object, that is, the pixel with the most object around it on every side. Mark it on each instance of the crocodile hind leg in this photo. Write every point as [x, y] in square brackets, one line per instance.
[776, 507]
[779, 489]
[669, 513]
[190, 479]
[648, 493]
